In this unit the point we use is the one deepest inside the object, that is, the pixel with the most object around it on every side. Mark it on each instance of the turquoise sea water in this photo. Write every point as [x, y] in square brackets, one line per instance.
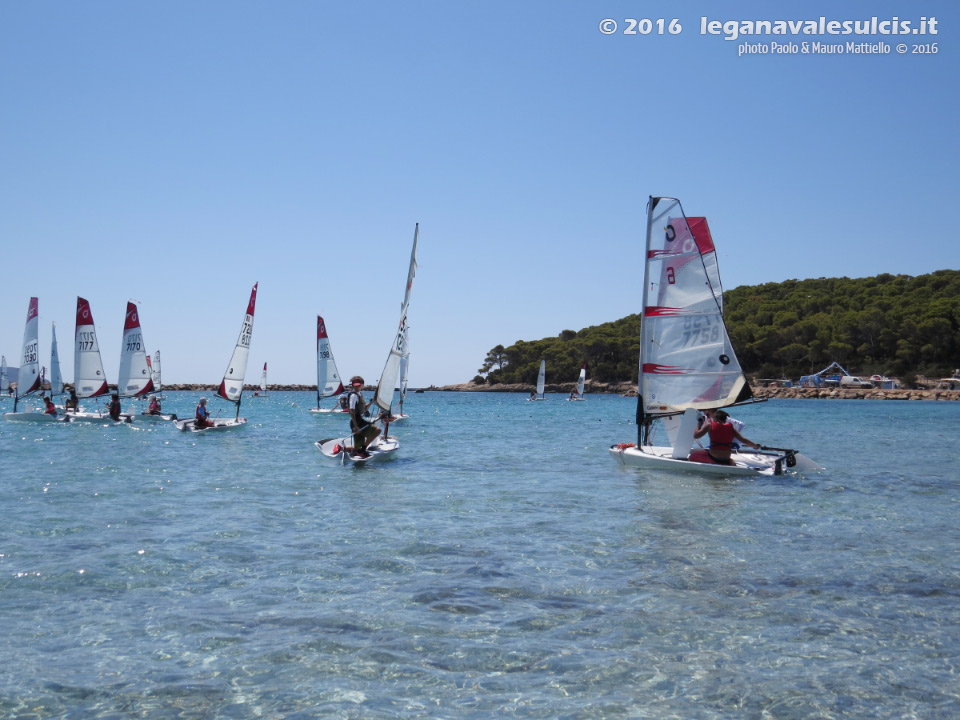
[502, 565]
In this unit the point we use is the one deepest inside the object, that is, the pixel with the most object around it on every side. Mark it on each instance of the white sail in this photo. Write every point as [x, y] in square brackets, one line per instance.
[89, 379]
[542, 377]
[4, 378]
[135, 376]
[56, 377]
[263, 379]
[28, 379]
[581, 381]
[155, 371]
[231, 387]
[391, 370]
[328, 379]
[686, 358]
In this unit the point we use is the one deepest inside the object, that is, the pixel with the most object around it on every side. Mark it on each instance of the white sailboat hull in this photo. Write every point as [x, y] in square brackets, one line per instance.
[336, 449]
[218, 424]
[37, 417]
[82, 416]
[745, 463]
[328, 411]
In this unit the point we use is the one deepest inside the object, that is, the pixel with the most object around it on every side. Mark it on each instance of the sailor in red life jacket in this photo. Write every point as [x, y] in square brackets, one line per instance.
[202, 417]
[722, 436]
[48, 406]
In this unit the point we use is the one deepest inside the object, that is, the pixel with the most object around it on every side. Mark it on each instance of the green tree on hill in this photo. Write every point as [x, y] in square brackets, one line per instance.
[888, 324]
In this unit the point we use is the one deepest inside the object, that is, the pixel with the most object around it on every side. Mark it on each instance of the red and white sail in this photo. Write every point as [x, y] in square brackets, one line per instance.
[29, 381]
[135, 377]
[686, 358]
[231, 387]
[328, 378]
[89, 379]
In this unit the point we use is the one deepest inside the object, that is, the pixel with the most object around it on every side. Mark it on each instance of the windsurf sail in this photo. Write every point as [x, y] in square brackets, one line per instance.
[231, 387]
[56, 377]
[155, 371]
[391, 370]
[89, 379]
[28, 379]
[686, 357]
[328, 379]
[581, 381]
[135, 376]
[542, 378]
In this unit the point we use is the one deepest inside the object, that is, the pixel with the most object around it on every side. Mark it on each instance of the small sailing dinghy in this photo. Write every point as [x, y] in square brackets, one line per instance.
[541, 383]
[263, 382]
[29, 379]
[328, 379]
[383, 445]
[89, 379]
[231, 387]
[687, 362]
[581, 382]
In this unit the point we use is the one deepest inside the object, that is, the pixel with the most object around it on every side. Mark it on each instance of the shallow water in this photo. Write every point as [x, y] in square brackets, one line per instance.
[501, 564]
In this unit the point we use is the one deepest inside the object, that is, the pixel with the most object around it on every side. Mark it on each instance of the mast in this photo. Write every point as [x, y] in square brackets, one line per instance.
[231, 387]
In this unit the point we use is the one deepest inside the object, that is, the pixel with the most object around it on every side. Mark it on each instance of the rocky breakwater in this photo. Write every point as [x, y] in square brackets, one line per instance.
[855, 393]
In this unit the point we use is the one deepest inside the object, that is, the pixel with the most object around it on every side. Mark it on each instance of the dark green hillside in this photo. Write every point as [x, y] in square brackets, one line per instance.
[888, 324]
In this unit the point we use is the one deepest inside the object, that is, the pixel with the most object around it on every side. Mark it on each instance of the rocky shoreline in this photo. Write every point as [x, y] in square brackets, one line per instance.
[630, 389]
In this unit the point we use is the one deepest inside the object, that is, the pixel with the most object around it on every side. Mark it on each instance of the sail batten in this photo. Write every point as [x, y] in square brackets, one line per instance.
[686, 357]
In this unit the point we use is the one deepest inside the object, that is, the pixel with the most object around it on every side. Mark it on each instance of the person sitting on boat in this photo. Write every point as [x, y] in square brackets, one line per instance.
[738, 425]
[154, 407]
[533, 395]
[573, 395]
[48, 406]
[71, 403]
[722, 436]
[364, 431]
[113, 407]
[202, 415]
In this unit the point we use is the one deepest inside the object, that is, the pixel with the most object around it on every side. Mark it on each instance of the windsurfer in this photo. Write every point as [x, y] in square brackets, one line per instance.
[722, 436]
[363, 431]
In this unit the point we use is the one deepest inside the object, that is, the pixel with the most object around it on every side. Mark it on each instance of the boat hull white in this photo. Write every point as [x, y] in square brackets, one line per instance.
[218, 424]
[152, 417]
[82, 416]
[745, 463]
[36, 417]
[337, 449]
[327, 411]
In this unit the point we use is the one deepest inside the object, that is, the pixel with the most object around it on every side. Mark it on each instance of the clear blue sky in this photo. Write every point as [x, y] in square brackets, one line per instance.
[176, 152]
